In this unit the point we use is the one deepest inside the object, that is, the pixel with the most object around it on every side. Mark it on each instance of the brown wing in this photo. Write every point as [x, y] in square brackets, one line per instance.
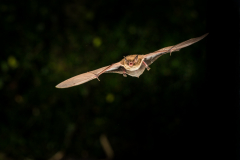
[85, 77]
[151, 57]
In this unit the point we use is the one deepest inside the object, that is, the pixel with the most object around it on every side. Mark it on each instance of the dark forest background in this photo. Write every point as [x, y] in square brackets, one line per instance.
[163, 113]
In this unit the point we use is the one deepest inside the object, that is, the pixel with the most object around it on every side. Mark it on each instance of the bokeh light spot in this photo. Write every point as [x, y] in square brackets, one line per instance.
[110, 98]
[97, 42]
[12, 62]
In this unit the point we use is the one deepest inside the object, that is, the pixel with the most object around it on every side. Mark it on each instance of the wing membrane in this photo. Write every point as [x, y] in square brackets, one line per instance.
[151, 57]
[85, 77]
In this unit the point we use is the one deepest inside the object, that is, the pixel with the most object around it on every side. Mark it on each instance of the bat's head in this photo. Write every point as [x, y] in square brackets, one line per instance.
[131, 61]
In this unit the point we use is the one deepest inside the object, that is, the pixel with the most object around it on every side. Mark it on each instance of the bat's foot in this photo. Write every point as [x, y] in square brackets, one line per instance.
[96, 75]
[124, 72]
[148, 68]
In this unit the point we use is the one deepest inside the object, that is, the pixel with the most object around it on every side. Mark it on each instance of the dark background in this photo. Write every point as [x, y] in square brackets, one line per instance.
[174, 110]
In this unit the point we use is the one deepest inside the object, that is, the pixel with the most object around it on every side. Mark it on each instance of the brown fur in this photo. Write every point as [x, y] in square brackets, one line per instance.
[131, 58]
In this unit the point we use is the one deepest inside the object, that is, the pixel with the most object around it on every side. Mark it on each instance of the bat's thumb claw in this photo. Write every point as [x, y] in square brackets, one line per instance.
[170, 50]
[96, 76]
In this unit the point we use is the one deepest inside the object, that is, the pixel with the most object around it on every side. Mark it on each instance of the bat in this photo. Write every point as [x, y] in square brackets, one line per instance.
[132, 65]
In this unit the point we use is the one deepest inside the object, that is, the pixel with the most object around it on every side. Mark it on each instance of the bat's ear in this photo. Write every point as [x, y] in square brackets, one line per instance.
[125, 59]
[136, 59]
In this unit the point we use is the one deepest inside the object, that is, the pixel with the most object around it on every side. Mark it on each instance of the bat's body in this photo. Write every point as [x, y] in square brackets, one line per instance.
[135, 70]
[132, 65]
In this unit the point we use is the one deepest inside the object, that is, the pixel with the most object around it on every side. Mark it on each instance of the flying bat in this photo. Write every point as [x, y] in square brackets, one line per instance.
[132, 65]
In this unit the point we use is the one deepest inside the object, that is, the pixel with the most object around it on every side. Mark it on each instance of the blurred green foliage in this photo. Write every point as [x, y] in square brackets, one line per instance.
[45, 42]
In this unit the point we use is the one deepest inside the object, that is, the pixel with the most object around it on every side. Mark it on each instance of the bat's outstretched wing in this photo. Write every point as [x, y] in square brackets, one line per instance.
[151, 57]
[85, 77]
